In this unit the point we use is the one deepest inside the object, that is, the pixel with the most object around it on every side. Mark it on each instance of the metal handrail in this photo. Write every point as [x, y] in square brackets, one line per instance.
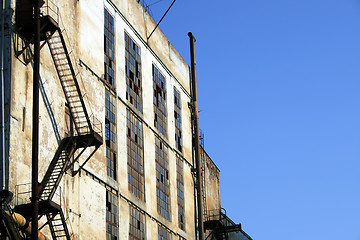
[75, 64]
[96, 124]
[19, 192]
[50, 9]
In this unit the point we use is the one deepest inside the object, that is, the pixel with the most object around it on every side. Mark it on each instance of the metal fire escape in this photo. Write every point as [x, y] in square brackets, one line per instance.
[72, 147]
[203, 166]
[221, 227]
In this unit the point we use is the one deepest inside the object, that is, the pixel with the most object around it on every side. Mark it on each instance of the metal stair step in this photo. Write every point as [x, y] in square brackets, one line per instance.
[56, 48]
[64, 69]
[61, 59]
[62, 75]
[73, 96]
[62, 64]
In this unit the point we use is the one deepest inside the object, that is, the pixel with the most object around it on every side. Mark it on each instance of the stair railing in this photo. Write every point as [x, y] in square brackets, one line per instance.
[93, 120]
[96, 124]
[22, 193]
[49, 8]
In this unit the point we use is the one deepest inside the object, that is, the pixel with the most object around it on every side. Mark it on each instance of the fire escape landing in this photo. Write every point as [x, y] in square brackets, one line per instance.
[221, 227]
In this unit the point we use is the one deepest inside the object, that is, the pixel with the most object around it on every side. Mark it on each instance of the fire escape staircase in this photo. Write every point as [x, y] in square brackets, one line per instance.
[72, 147]
[57, 224]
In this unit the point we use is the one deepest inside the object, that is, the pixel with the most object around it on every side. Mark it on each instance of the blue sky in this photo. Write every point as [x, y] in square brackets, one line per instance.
[279, 95]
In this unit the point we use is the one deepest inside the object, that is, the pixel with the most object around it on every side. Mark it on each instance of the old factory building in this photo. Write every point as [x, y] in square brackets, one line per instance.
[116, 128]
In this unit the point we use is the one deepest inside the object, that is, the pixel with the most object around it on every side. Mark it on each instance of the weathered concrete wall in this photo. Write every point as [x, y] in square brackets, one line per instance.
[83, 197]
[212, 183]
[140, 19]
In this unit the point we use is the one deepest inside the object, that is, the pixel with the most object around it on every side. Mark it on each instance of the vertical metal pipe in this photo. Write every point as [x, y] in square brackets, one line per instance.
[35, 130]
[3, 165]
[196, 138]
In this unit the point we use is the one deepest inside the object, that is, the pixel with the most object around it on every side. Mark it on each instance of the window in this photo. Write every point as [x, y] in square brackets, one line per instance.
[133, 73]
[135, 155]
[110, 134]
[163, 234]
[111, 216]
[180, 192]
[137, 225]
[177, 117]
[109, 61]
[160, 115]
[162, 179]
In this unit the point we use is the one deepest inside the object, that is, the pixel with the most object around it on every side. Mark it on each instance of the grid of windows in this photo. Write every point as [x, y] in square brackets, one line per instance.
[160, 114]
[162, 177]
[163, 234]
[180, 192]
[177, 117]
[135, 155]
[111, 216]
[110, 134]
[137, 225]
[133, 73]
[109, 61]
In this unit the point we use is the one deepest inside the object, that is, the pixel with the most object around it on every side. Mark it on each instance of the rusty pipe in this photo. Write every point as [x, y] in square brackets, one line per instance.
[195, 119]
[35, 122]
[2, 94]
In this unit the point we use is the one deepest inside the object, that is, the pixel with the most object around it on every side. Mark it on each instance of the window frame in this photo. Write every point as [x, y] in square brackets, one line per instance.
[178, 120]
[135, 147]
[180, 192]
[137, 224]
[162, 179]
[134, 80]
[109, 40]
[112, 217]
[159, 102]
[110, 135]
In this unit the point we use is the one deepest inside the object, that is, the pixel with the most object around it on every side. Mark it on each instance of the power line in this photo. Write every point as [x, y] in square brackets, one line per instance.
[161, 18]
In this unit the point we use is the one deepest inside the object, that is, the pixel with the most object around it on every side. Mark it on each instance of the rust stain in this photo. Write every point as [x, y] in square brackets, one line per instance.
[27, 77]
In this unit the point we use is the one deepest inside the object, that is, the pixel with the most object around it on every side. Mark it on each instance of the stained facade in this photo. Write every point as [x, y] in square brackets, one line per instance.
[130, 186]
[115, 144]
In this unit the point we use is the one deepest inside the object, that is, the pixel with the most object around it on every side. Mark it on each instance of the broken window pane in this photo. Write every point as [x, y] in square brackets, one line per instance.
[159, 100]
[135, 155]
[162, 176]
[133, 73]
[109, 65]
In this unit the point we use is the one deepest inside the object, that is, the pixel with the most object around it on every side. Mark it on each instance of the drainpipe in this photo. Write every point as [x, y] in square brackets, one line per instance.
[35, 130]
[196, 139]
[2, 95]
[193, 161]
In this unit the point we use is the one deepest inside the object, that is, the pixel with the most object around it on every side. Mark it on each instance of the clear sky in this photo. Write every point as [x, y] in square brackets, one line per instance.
[279, 95]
